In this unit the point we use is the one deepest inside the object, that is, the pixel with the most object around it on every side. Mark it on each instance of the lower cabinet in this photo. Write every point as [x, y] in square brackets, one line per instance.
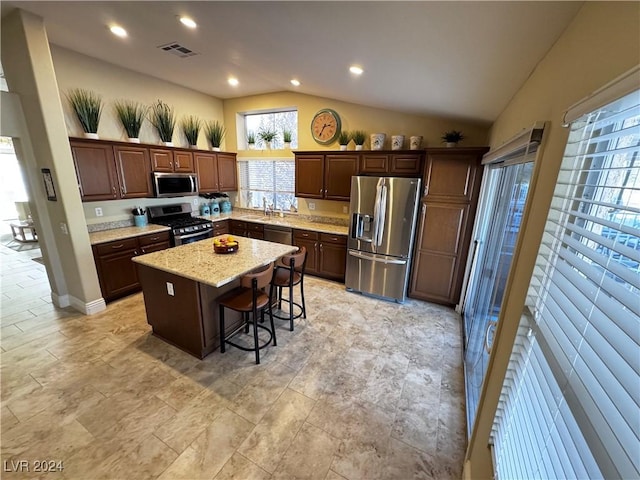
[247, 229]
[326, 253]
[221, 227]
[116, 272]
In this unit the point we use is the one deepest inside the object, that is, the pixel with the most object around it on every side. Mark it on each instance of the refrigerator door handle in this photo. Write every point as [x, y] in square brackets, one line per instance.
[377, 258]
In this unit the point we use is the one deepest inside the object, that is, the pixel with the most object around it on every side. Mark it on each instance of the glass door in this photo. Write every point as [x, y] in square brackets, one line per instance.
[500, 217]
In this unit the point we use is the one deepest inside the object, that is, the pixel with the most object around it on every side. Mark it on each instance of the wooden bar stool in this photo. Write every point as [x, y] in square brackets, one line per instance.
[288, 273]
[249, 298]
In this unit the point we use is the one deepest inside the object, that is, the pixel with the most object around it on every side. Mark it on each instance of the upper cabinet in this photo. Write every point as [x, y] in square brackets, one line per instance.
[327, 175]
[452, 174]
[109, 170]
[217, 172]
[165, 160]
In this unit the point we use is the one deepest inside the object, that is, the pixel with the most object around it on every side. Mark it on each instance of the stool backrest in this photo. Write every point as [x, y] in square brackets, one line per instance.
[299, 259]
[262, 277]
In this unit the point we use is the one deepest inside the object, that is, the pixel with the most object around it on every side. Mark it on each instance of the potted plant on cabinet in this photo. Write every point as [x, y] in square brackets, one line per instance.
[267, 135]
[343, 139]
[286, 137]
[163, 119]
[131, 115]
[87, 106]
[191, 128]
[452, 137]
[251, 140]
[215, 132]
[359, 137]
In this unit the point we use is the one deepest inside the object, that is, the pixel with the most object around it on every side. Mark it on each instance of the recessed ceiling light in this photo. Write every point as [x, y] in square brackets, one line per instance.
[356, 70]
[295, 82]
[188, 22]
[118, 30]
[233, 81]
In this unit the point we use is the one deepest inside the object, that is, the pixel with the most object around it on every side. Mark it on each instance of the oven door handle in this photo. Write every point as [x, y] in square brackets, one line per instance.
[196, 234]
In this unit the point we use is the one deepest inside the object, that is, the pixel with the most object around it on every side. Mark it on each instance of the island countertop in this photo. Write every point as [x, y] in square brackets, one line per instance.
[197, 261]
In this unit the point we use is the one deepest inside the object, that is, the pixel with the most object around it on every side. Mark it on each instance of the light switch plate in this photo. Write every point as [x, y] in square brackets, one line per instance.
[311, 205]
[195, 202]
[170, 289]
[63, 227]
[345, 209]
[98, 212]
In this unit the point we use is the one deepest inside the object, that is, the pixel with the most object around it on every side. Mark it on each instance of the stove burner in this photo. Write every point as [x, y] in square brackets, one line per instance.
[180, 222]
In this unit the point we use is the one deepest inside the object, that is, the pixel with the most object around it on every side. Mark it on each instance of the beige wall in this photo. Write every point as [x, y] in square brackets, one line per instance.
[74, 70]
[353, 117]
[600, 44]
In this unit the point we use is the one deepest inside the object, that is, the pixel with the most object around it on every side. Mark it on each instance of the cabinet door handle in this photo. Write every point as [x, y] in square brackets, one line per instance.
[178, 163]
[117, 246]
[426, 190]
[171, 164]
[154, 238]
[135, 252]
[320, 247]
[114, 190]
[305, 234]
[122, 190]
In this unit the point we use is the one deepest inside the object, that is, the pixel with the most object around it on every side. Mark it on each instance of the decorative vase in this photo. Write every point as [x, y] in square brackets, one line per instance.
[215, 149]
[415, 142]
[287, 145]
[343, 147]
[358, 147]
[252, 146]
[267, 145]
[377, 140]
[93, 136]
[451, 144]
[133, 140]
[193, 146]
[397, 142]
[168, 144]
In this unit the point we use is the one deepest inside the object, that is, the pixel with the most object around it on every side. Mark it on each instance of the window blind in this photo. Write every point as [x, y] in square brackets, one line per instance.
[570, 403]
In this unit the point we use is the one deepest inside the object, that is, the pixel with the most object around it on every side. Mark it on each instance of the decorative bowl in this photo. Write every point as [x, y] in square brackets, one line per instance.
[225, 248]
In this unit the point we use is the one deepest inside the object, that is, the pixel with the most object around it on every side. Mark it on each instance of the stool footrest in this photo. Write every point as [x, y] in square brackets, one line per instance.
[246, 349]
[292, 304]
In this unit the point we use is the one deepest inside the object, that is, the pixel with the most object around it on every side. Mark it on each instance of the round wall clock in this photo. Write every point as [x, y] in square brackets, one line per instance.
[325, 126]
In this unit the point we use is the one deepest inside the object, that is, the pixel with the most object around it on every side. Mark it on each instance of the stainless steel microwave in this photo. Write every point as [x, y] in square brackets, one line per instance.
[175, 184]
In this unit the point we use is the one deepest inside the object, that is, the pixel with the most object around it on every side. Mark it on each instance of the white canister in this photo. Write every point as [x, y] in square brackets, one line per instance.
[415, 142]
[377, 140]
[397, 142]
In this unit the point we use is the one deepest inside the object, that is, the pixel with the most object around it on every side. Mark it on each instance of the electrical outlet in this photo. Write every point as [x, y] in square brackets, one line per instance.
[345, 209]
[63, 227]
[170, 289]
[98, 212]
[195, 202]
[311, 205]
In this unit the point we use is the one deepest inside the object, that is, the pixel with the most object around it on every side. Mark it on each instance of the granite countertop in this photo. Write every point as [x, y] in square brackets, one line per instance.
[286, 221]
[197, 261]
[104, 236]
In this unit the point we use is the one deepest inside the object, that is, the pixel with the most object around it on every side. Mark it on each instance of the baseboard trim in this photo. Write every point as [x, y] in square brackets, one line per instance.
[64, 301]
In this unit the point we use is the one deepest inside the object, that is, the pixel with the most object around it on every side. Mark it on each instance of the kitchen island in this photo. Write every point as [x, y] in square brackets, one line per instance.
[181, 287]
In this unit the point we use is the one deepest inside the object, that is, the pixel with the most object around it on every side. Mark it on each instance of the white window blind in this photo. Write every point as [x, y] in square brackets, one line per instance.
[271, 181]
[570, 403]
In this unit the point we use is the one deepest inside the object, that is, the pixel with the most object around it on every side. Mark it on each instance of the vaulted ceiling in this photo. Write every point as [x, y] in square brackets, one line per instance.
[454, 59]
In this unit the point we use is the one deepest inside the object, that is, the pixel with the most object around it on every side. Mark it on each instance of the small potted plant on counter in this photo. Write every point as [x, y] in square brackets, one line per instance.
[87, 106]
[215, 132]
[452, 137]
[163, 119]
[131, 115]
[191, 128]
[286, 136]
[343, 139]
[359, 137]
[267, 135]
[251, 140]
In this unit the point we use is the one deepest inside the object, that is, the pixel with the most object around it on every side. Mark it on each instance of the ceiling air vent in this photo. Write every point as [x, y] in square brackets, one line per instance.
[177, 49]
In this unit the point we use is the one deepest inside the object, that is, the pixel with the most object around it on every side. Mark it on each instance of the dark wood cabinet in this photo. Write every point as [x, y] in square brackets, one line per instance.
[332, 256]
[217, 172]
[165, 160]
[451, 187]
[326, 253]
[310, 176]
[328, 175]
[183, 161]
[133, 168]
[95, 171]
[247, 229]
[116, 272]
[221, 227]
[338, 170]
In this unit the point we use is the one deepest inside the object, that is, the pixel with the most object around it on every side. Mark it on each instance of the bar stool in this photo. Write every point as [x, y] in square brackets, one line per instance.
[289, 272]
[250, 297]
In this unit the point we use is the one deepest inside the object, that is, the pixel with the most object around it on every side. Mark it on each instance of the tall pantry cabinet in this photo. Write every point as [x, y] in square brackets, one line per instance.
[451, 182]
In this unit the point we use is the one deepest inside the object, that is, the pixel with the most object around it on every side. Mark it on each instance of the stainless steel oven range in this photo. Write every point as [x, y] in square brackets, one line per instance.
[184, 228]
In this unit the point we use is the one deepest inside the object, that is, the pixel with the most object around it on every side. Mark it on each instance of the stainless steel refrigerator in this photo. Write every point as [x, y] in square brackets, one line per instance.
[383, 216]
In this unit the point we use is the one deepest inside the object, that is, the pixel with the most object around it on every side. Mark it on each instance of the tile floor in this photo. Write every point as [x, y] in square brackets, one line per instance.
[362, 389]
